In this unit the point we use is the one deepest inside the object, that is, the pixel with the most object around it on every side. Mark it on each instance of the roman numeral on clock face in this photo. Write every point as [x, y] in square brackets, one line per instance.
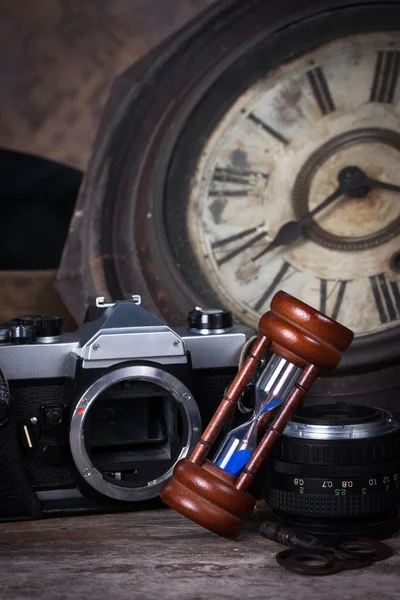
[239, 181]
[386, 76]
[229, 242]
[321, 91]
[268, 129]
[387, 297]
[331, 296]
[284, 273]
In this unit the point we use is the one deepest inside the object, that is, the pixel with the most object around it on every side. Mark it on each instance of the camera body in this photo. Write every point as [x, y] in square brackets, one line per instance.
[95, 420]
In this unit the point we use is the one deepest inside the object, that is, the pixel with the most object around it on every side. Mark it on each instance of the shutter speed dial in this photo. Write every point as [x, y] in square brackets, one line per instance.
[46, 327]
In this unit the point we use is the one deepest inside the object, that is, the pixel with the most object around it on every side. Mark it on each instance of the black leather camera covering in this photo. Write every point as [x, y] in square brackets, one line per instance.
[17, 498]
[29, 396]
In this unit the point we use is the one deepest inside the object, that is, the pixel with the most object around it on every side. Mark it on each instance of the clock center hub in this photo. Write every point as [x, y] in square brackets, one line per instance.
[352, 180]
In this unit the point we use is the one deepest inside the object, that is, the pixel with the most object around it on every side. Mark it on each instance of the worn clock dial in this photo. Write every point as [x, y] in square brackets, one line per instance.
[276, 156]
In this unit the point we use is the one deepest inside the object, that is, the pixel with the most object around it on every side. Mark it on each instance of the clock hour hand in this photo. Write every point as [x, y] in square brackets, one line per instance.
[293, 230]
[352, 181]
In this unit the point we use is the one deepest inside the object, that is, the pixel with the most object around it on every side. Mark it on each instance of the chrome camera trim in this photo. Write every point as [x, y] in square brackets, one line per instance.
[80, 456]
[384, 424]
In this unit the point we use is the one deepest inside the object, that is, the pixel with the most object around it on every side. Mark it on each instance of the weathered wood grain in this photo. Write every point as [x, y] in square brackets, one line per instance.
[160, 554]
[31, 292]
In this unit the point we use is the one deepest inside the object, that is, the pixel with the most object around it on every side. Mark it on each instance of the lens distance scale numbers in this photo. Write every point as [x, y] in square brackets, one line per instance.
[339, 487]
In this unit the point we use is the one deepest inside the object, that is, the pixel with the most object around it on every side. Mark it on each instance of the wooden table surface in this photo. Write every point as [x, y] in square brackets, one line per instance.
[159, 554]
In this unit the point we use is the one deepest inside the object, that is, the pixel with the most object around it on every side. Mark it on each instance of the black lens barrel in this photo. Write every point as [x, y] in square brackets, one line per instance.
[345, 484]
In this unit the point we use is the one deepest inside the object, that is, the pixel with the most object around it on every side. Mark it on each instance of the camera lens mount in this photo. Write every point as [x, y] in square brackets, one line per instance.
[341, 422]
[81, 454]
[336, 472]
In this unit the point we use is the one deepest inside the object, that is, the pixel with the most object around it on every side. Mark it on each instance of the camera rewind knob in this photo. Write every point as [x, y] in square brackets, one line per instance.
[4, 334]
[210, 320]
[22, 334]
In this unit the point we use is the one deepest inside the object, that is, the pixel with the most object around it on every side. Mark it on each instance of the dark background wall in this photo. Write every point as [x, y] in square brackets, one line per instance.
[58, 59]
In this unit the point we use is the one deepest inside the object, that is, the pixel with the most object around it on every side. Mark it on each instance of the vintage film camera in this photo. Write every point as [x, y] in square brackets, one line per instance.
[95, 420]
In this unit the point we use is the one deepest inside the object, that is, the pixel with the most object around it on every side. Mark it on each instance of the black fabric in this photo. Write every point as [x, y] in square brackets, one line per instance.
[35, 191]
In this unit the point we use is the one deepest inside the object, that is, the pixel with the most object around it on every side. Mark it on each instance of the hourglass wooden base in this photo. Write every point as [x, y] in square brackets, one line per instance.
[206, 495]
[305, 338]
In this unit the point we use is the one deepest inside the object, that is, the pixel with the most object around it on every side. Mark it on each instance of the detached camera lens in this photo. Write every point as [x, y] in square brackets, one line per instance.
[336, 472]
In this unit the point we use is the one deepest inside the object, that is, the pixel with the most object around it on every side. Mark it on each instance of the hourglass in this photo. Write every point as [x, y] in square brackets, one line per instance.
[271, 390]
[302, 340]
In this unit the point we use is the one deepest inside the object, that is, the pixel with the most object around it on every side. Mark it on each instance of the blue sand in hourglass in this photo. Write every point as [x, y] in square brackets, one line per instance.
[237, 461]
[241, 457]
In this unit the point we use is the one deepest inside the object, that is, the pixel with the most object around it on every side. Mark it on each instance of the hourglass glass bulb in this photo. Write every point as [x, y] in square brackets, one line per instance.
[272, 388]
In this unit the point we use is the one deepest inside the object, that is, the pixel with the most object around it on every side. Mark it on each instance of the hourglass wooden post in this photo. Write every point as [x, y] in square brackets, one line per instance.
[302, 341]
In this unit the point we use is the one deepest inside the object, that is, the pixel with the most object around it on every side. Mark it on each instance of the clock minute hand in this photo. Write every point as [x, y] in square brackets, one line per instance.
[374, 183]
[293, 230]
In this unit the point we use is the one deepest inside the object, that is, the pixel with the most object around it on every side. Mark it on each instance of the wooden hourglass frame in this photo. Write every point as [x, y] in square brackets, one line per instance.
[306, 338]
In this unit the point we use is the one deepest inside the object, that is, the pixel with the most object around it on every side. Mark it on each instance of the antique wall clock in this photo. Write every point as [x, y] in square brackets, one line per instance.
[257, 150]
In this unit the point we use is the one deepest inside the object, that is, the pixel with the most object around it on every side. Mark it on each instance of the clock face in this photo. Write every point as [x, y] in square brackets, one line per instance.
[275, 156]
